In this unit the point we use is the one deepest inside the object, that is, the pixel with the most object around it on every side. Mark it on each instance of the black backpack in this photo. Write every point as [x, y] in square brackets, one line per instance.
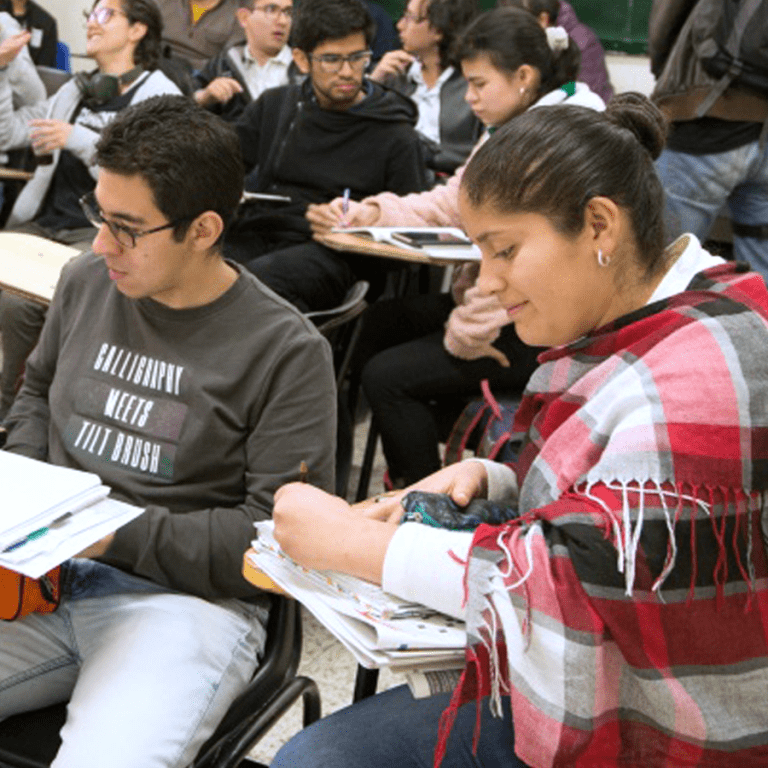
[730, 38]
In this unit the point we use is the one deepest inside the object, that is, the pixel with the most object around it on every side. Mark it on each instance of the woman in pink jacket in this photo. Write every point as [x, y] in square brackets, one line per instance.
[511, 65]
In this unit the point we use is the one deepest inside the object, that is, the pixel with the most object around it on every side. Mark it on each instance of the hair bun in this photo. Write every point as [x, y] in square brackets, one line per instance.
[640, 115]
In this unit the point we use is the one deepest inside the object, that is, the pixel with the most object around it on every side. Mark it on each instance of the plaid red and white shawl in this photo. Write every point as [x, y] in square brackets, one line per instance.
[626, 612]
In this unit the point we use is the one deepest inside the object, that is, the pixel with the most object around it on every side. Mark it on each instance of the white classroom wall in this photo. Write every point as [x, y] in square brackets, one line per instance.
[69, 16]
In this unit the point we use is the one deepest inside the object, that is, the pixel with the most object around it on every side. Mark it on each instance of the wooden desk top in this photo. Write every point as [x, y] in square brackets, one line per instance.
[342, 241]
[258, 578]
[15, 173]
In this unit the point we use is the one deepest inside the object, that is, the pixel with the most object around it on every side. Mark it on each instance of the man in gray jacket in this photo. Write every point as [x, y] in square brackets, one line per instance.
[191, 390]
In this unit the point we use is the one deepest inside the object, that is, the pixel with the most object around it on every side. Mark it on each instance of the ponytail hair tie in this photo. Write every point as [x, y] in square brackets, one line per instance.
[557, 38]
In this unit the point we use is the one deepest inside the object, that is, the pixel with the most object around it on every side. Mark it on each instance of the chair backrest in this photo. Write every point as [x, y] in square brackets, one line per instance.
[62, 56]
[340, 325]
[52, 78]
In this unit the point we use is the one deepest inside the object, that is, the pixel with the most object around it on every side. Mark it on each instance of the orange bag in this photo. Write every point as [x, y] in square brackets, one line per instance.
[20, 595]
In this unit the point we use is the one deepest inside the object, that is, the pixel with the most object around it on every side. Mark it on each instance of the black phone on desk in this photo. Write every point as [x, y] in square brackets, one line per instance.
[426, 239]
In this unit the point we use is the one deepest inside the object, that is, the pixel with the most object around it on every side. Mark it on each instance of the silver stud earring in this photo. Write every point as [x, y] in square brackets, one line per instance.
[602, 259]
[522, 91]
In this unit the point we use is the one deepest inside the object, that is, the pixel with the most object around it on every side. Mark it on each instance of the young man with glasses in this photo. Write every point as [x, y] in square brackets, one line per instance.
[310, 142]
[237, 76]
[123, 38]
[191, 390]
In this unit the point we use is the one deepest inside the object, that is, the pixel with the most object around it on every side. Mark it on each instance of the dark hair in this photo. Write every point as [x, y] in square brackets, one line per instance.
[554, 160]
[321, 20]
[449, 17]
[188, 156]
[511, 37]
[537, 7]
[147, 53]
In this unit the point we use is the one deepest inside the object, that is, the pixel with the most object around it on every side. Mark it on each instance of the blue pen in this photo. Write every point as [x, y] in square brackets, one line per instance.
[29, 537]
[39, 533]
[345, 201]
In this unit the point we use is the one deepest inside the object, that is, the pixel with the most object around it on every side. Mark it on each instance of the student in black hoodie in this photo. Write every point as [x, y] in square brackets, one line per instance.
[310, 142]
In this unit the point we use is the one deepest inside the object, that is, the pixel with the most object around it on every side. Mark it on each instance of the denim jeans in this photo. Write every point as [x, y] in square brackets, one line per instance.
[394, 729]
[698, 187]
[148, 672]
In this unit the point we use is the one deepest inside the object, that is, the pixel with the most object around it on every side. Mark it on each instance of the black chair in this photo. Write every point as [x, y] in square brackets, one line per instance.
[341, 326]
[31, 740]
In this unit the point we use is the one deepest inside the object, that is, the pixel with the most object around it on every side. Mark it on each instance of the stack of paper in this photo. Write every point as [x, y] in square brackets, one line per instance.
[379, 629]
[51, 513]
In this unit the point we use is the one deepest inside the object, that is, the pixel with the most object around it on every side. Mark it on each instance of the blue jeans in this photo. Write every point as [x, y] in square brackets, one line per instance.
[394, 729]
[148, 672]
[698, 187]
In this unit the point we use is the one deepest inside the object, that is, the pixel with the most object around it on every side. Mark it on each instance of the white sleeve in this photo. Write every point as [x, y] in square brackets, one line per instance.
[426, 565]
[502, 481]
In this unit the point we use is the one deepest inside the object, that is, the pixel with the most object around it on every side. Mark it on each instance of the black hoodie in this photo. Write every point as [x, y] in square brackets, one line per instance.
[312, 154]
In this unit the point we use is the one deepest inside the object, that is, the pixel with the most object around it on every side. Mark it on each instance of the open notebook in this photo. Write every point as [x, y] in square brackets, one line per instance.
[51, 513]
[30, 265]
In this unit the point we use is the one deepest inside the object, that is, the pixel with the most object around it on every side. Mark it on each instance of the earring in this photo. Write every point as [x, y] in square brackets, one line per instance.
[522, 91]
[602, 259]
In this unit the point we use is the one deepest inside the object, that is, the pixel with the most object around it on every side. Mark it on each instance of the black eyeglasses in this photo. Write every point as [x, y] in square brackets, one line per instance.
[408, 16]
[126, 236]
[272, 11]
[333, 62]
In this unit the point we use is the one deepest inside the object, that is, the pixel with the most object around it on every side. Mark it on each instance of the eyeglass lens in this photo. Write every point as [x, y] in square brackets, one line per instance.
[272, 10]
[333, 63]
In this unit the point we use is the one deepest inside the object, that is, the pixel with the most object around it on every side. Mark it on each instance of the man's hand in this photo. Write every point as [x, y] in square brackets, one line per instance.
[218, 91]
[323, 218]
[473, 327]
[392, 64]
[11, 47]
[463, 481]
[98, 548]
[48, 135]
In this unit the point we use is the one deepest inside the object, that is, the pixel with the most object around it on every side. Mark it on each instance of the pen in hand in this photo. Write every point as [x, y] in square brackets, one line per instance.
[303, 472]
[345, 206]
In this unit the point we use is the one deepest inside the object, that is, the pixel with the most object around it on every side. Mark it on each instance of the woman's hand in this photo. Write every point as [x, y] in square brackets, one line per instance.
[11, 47]
[392, 64]
[320, 531]
[463, 482]
[473, 327]
[323, 218]
[48, 135]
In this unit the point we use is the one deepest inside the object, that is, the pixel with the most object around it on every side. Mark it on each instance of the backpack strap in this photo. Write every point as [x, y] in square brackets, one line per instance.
[740, 23]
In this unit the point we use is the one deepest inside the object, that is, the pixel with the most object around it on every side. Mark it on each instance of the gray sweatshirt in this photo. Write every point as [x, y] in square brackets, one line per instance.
[198, 414]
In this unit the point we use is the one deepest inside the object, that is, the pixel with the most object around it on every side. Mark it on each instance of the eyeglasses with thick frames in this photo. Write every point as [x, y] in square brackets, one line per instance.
[101, 15]
[333, 62]
[272, 11]
[125, 236]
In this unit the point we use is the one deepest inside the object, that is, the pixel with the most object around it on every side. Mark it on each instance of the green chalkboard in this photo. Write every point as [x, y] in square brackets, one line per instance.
[622, 25]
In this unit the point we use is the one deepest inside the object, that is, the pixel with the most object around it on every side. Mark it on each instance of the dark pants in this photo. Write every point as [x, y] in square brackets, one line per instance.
[394, 729]
[415, 388]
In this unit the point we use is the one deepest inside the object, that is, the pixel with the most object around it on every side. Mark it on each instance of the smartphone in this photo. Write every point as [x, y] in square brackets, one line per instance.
[422, 239]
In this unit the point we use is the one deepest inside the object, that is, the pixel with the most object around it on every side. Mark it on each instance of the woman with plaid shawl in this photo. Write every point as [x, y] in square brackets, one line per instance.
[621, 619]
